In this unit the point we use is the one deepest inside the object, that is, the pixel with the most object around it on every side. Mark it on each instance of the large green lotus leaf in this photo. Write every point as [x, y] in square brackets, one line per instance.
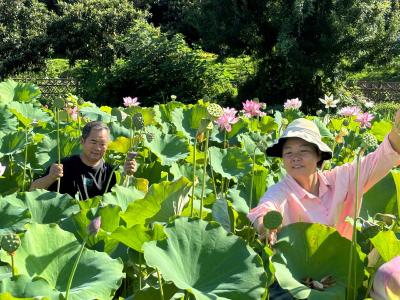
[250, 147]
[26, 92]
[381, 198]
[267, 125]
[231, 163]
[49, 252]
[323, 130]
[12, 218]
[163, 112]
[151, 293]
[220, 213]
[7, 91]
[186, 170]
[26, 113]
[45, 207]
[24, 286]
[93, 113]
[154, 172]
[122, 196]
[387, 245]
[135, 236]
[12, 143]
[232, 136]
[313, 250]
[380, 129]
[162, 201]
[8, 123]
[205, 260]
[120, 145]
[169, 148]
[188, 120]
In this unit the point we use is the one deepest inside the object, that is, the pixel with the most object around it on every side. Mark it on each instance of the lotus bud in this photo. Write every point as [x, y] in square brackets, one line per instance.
[138, 121]
[149, 136]
[285, 121]
[214, 110]
[273, 219]
[270, 111]
[387, 281]
[319, 112]
[10, 243]
[263, 105]
[131, 155]
[173, 97]
[94, 226]
[369, 141]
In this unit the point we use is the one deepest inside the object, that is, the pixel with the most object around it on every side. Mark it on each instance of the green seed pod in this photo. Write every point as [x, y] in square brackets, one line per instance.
[149, 136]
[346, 122]
[273, 219]
[369, 141]
[10, 242]
[138, 121]
[214, 110]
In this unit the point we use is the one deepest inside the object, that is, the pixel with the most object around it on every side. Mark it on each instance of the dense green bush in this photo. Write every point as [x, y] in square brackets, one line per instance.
[23, 40]
[155, 67]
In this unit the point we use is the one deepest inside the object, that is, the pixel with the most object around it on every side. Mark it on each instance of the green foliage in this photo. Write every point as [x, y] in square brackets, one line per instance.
[24, 44]
[89, 29]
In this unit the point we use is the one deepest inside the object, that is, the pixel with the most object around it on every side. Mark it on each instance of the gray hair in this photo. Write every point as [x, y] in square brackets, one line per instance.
[96, 125]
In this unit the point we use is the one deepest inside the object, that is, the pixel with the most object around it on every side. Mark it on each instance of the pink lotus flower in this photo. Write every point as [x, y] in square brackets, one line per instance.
[129, 101]
[349, 111]
[2, 169]
[292, 104]
[252, 109]
[387, 281]
[73, 112]
[228, 118]
[365, 119]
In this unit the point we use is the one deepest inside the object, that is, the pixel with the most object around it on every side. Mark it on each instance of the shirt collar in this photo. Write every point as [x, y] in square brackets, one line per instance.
[300, 192]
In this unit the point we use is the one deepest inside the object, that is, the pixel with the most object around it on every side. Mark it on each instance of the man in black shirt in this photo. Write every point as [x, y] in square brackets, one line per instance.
[86, 174]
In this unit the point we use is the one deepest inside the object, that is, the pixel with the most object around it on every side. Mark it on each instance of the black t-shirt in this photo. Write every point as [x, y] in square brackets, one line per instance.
[83, 179]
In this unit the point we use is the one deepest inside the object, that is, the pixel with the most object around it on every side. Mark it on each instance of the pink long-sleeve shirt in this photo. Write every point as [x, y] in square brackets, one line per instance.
[336, 198]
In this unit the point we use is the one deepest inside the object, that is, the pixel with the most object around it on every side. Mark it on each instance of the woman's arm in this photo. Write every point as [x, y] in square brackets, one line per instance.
[394, 134]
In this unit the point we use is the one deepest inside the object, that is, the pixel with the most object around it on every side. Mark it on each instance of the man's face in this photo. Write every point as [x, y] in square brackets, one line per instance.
[300, 158]
[95, 145]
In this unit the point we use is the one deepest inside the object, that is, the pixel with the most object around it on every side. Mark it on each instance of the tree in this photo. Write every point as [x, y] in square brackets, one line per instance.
[23, 40]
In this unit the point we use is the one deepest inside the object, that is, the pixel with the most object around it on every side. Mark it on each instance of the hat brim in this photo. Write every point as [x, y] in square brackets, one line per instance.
[276, 149]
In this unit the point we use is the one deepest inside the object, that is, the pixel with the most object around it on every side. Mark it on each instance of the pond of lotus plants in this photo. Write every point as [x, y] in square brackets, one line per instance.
[178, 229]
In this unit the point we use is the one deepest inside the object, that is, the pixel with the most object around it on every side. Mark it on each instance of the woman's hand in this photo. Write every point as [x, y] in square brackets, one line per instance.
[394, 135]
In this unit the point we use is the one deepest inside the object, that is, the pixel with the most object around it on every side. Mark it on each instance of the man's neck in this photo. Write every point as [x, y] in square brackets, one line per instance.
[89, 163]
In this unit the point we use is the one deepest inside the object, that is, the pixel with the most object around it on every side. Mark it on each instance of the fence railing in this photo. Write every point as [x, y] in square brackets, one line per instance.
[378, 90]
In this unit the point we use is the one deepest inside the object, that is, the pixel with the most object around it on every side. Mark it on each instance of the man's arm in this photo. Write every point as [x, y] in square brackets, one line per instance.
[55, 172]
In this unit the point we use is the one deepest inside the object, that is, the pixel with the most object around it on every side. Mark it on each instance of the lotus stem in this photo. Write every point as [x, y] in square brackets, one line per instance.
[72, 274]
[203, 188]
[252, 179]
[194, 176]
[58, 146]
[25, 158]
[12, 264]
[161, 285]
[140, 271]
[351, 281]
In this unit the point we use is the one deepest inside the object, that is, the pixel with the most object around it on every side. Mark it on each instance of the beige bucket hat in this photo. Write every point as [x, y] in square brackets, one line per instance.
[306, 130]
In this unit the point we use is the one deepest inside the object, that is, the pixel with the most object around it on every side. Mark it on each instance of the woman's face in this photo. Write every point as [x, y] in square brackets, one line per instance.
[300, 158]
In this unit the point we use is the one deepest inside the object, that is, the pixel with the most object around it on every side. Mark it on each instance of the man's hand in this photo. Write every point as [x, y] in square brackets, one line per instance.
[56, 171]
[130, 167]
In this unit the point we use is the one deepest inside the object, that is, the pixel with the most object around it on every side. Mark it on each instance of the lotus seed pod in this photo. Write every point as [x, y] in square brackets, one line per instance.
[149, 136]
[369, 141]
[138, 121]
[273, 219]
[214, 110]
[94, 226]
[10, 242]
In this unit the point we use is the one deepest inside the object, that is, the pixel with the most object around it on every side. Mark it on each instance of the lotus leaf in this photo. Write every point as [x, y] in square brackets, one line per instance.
[26, 113]
[188, 120]
[202, 258]
[387, 245]
[47, 252]
[122, 196]
[12, 218]
[305, 250]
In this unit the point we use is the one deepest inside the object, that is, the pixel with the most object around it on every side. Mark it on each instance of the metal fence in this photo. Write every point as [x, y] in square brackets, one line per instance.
[378, 91]
[53, 87]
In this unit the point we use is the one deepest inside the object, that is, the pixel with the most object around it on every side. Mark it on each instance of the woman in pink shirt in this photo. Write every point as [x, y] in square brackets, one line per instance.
[307, 194]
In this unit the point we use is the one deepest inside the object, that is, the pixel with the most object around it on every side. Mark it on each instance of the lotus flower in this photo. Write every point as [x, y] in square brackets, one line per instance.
[2, 169]
[292, 104]
[387, 281]
[349, 111]
[94, 226]
[129, 101]
[73, 112]
[252, 108]
[365, 119]
[369, 104]
[228, 118]
[329, 101]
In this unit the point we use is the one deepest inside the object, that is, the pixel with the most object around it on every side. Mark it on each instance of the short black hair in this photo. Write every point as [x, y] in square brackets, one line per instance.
[97, 125]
